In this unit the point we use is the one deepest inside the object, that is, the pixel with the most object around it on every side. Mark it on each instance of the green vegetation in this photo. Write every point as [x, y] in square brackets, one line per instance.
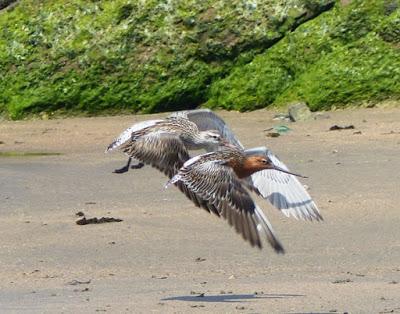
[97, 56]
[347, 55]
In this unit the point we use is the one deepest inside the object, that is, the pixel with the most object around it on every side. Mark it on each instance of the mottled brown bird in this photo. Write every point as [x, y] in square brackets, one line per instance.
[219, 178]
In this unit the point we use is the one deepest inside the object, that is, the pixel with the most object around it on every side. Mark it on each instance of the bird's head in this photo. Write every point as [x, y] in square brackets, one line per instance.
[258, 163]
[211, 138]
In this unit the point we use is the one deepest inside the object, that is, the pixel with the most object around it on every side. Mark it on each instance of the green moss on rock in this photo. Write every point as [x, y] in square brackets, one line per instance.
[95, 57]
[347, 55]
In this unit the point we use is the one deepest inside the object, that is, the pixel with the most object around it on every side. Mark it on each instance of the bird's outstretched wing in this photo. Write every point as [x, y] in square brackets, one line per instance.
[205, 120]
[283, 191]
[218, 184]
[167, 153]
[126, 135]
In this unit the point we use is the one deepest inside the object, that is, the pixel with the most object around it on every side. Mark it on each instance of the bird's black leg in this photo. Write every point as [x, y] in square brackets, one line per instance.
[138, 165]
[124, 168]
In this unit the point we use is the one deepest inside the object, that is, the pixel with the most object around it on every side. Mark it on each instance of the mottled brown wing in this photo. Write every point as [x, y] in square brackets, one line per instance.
[166, 152]
[218, 184]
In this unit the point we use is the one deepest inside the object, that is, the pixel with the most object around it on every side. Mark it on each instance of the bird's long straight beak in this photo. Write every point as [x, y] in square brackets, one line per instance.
[285, 171]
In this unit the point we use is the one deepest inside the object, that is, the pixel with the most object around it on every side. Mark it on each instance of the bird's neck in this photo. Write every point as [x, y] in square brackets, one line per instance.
[194, 142]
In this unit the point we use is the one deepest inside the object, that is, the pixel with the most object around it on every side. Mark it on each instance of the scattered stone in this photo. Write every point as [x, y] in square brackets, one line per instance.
[273, 134]
[333, 311]
[96, 220]
[394, 282]
[159, 277]
[198, 305]
[90, 203]
[338, 127]
[281, 117]
[299, 112]
[199, 294]
[112, 242]
[335, 151]
[200, 259]
[356, 274]
[342, 281]
[80, 214]
[47, 130]
[78, 282]
[240, 307]
[281, 129]
[357, 132]
[258, 292]
[391, 132]
[321, 116]
[2, 142]
[232, 277]
[18, 142]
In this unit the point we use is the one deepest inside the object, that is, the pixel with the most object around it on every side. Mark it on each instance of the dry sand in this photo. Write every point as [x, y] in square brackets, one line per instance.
[166, 253]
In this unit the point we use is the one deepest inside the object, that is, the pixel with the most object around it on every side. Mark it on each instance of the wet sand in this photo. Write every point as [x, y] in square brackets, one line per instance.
[168, 256]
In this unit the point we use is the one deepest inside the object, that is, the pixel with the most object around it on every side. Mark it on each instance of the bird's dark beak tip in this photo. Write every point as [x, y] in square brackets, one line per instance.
[288, 172]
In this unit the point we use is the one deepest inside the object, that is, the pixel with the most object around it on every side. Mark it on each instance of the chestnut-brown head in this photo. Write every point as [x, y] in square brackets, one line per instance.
[253, 164]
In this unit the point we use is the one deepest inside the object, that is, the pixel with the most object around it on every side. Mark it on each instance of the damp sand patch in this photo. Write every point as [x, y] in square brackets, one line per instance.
[27, 154]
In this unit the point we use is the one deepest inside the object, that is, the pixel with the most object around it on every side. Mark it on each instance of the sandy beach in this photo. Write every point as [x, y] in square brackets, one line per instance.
[168, 256]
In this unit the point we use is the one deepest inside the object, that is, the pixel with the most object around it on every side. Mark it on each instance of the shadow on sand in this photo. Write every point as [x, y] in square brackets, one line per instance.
[230, 297]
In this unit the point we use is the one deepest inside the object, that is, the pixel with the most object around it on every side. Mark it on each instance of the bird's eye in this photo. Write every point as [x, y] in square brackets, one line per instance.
[264, 161]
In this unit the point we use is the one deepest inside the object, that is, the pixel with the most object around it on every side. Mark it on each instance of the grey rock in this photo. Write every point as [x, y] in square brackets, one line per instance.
[281, 117]
[299, 112]
[321, 116]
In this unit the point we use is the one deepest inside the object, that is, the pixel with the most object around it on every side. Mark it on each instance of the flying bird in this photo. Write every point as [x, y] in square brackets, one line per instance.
[151, 130]
[165, 144]
[283, 191]
[219, 178]
[219, 181]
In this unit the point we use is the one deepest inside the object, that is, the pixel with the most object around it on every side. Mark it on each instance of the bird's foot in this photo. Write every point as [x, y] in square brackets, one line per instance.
[122, 170]
[137, 166]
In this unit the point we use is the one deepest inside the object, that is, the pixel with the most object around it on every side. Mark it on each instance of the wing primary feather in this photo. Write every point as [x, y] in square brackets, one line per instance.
[267, 228]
